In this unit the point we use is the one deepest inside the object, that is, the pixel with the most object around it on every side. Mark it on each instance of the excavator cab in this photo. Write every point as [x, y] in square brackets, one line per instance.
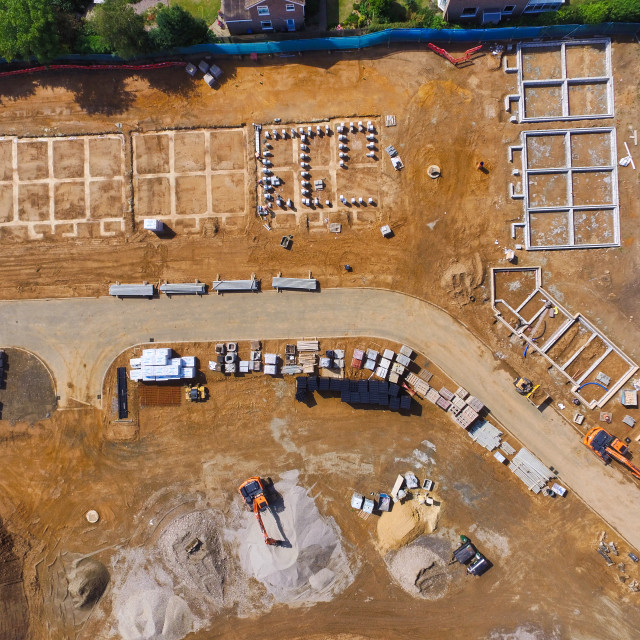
[523, 386]
[252, 491]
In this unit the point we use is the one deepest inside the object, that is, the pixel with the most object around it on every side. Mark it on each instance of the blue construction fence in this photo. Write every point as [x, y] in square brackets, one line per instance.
[390, 37]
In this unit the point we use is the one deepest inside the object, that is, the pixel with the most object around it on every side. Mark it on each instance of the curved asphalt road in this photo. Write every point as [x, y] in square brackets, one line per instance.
[79, 338]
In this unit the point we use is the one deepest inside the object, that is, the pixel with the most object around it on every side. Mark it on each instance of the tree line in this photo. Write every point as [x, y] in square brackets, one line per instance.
[45, 29]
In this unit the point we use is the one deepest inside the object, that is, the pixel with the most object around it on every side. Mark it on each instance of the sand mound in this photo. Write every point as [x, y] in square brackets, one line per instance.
[405, 522]
[312, 566]
[87, 582]
[145, 605]
[154, 614]
[420, 570]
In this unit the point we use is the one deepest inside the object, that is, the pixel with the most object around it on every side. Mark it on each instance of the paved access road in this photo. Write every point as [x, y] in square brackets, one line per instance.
[79, 338]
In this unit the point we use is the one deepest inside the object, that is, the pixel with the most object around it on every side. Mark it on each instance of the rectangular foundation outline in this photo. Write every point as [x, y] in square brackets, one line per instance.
[564, 81]
[569, 322]
[569, 170]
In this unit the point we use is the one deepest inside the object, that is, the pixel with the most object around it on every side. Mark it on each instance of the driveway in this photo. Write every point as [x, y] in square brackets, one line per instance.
[79, 338]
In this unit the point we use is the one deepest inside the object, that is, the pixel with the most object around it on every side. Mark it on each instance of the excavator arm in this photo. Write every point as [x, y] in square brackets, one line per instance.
[624, 461]
[267, 539]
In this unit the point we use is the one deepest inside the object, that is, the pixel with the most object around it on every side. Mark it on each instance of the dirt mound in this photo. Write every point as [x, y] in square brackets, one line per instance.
[420, 570]
[87, 582]
[405, 522]
[311, 565]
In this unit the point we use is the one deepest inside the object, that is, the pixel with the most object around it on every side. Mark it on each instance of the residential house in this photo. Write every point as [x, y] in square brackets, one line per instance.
[262, 16]
[492, 11]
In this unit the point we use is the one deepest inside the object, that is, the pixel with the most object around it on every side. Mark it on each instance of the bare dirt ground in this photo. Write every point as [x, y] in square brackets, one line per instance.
[187, 461]
[547, 580]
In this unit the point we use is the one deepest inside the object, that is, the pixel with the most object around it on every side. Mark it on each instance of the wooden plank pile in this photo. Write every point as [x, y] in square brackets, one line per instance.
[530, 470]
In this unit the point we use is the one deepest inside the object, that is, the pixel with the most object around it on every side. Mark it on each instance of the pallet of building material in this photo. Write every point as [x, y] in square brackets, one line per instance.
[486, 435]
[462, 393]
[457, 405]
[446, 394]
[507, 448]
[308, 345]
[530, 470]
[475, 404]
[432, 395]
[419, 385]
[291, 370]
[390, 121]
[159, 395]
[426, 375]
[443, 403]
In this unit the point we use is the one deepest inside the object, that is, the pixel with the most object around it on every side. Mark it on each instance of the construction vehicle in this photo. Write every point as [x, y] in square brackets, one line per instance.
[196, 393]
[252, 491]
[533, 393]
[608, 447]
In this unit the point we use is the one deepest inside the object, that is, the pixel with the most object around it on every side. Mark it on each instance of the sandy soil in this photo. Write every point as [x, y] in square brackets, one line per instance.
[253, 425]
[445, 237]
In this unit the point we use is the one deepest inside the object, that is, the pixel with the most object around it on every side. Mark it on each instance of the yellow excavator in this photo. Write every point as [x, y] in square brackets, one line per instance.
[533, 393]
[252, 491]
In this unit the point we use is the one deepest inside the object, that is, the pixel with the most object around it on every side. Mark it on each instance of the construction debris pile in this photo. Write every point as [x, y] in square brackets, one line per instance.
[159, 365]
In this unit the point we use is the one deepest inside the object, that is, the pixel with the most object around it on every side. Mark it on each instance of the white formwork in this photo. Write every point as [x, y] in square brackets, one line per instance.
[568, 169]
[564, 81]
[569, 320]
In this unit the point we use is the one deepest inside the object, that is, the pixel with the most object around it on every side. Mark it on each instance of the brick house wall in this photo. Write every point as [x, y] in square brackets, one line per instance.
[491, 11]
[244, 16]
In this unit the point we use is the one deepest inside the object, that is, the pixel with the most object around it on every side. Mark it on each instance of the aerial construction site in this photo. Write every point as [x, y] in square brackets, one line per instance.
[343, 348]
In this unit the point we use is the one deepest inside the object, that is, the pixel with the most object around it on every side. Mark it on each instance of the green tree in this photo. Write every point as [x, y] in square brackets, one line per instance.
[380, 9]
[625, 10]
[120, 28]
[28, 28]
[594, 12]
[178, 28]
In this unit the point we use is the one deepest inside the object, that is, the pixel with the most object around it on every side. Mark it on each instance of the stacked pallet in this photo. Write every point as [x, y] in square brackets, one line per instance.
[486, 435]
[308, 345]
[419, 385]
[530, 470]
[307, 361]
[507, 448]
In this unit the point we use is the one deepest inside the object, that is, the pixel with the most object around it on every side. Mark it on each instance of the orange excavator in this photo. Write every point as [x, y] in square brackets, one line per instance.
[252, 491]
[608, 447]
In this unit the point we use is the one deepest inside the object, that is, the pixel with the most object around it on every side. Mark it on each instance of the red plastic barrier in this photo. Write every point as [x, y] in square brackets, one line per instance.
[94, 67]
[466, 56]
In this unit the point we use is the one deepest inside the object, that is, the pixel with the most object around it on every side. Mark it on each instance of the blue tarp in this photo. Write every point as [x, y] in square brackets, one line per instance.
[392, 36]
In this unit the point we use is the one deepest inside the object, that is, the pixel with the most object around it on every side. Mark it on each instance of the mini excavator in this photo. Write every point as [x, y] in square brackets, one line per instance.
[608, 447]
[252, 491]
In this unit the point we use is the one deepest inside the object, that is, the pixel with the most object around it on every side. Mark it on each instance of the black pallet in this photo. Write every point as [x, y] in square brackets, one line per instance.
[123, 402]
[331, 354]
[301, 396]
[323, 384]
[394, 404]
[353, 386]
[363, 386]
[365, 398]
[312, 383]
[301, 382]
[383, 387]
[384, 401]
[345, 396]
[355, 397]
[394, 389]
[334, 384]
[405, 402]
[344, 385]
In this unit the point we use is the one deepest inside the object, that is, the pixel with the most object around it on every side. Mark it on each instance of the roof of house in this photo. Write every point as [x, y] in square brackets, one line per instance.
[252, 3]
